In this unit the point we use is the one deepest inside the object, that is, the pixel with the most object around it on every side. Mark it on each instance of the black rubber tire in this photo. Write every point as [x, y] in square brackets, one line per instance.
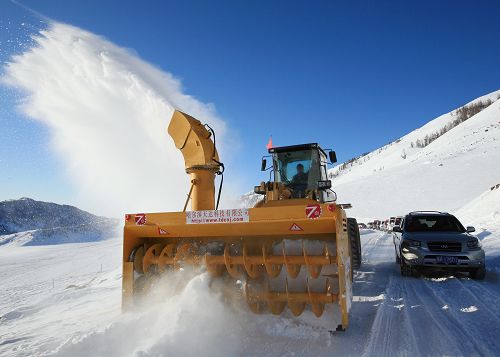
[478, 274]
[398, 259]
[355, 240]
[406, 269]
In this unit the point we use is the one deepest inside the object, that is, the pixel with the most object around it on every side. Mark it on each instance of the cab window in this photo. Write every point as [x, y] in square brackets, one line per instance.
[298, 170]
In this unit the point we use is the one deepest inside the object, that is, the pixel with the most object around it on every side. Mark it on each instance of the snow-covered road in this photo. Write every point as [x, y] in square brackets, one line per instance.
[56, 299]
[428, 316]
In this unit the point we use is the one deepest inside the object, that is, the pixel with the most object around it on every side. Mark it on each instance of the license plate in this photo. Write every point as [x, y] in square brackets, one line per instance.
[443, 259]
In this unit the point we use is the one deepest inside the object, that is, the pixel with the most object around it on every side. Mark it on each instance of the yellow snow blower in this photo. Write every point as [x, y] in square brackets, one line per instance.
[295, 248]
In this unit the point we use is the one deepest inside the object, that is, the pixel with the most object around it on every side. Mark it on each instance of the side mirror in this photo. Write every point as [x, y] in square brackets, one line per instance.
[333, 156]
[470, 229]
[263, 166]
[324, 185]
[397, 229]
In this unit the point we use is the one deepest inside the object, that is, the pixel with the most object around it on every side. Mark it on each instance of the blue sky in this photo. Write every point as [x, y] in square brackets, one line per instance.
[352, 76]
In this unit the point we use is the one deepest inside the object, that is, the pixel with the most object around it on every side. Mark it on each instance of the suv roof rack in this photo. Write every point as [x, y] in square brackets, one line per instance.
[418, 212]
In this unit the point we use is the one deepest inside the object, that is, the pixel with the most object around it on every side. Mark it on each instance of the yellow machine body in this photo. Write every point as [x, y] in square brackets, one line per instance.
[290, 253]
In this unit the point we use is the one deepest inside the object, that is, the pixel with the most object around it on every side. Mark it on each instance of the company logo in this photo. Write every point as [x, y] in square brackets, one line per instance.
[313, 211]
[140, 219]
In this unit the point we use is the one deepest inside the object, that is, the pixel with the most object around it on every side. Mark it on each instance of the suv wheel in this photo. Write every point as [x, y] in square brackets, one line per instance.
[398, 259]
[406, 269]
[478, 274]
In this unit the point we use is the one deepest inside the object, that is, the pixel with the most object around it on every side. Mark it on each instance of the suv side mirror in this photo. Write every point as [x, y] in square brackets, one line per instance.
[333, 156]
[470, 229]
[397, 229]
[263, 165]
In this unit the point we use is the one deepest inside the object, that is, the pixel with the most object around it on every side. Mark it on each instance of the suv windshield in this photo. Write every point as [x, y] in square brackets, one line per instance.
[433, 223]
[298, 170]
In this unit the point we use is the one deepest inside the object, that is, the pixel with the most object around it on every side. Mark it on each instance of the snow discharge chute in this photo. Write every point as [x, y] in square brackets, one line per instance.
[291, 250]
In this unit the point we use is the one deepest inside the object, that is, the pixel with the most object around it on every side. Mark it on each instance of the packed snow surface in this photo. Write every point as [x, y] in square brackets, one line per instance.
[59, 300]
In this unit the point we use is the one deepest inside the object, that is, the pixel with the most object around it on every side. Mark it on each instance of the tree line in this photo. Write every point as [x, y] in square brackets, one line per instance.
[462, 114]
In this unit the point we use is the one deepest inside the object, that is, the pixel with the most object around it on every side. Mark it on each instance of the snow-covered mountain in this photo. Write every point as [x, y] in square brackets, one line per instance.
[441, 166]
[29, 222]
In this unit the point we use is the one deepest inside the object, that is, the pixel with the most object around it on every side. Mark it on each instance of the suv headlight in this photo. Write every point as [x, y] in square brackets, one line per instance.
[473, 244]
[411, 243]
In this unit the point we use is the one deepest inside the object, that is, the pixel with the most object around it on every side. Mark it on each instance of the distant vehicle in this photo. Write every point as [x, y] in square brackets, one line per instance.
[370, 225]
[392, 221]
[398, 221]
[431, 240]
[376, 224]
[362, 226]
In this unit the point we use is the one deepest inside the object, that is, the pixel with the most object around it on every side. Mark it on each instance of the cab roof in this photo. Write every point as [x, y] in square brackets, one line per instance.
[296, 148]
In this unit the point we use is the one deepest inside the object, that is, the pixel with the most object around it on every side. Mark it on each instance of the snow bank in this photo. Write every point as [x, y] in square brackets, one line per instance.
[484, 214]
[483, 211]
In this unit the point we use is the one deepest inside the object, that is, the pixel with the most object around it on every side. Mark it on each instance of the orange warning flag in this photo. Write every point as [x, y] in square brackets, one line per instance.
[270, 143]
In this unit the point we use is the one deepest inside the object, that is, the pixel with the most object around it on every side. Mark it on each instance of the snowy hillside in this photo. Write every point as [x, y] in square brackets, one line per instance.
[436, 167]
[484, 214]
[483, 210]
[29, 222]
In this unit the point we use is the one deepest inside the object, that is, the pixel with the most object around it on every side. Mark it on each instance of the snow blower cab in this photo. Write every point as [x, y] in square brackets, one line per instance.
[289, 254]
[298, 171]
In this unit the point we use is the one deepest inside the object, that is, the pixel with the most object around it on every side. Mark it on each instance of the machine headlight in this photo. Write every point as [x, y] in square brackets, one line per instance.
[473, 243]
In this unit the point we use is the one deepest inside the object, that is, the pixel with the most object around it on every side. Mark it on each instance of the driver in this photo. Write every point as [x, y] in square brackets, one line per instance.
[299, 182]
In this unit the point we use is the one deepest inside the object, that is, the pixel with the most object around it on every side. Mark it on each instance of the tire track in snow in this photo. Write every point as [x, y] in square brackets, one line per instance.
[475, 326]
[372, 245]
[484, 293]
[445, 335]
[412, 321]
[387, 337]
[389, 331]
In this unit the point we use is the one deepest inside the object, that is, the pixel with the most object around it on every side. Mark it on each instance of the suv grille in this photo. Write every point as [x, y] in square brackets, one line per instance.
[444, 246]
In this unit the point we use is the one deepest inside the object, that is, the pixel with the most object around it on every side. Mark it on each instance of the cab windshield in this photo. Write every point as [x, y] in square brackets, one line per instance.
[298, 170]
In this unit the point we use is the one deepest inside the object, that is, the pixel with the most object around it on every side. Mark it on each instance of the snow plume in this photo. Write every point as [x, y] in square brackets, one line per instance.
[108, 111]
[188, 313]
